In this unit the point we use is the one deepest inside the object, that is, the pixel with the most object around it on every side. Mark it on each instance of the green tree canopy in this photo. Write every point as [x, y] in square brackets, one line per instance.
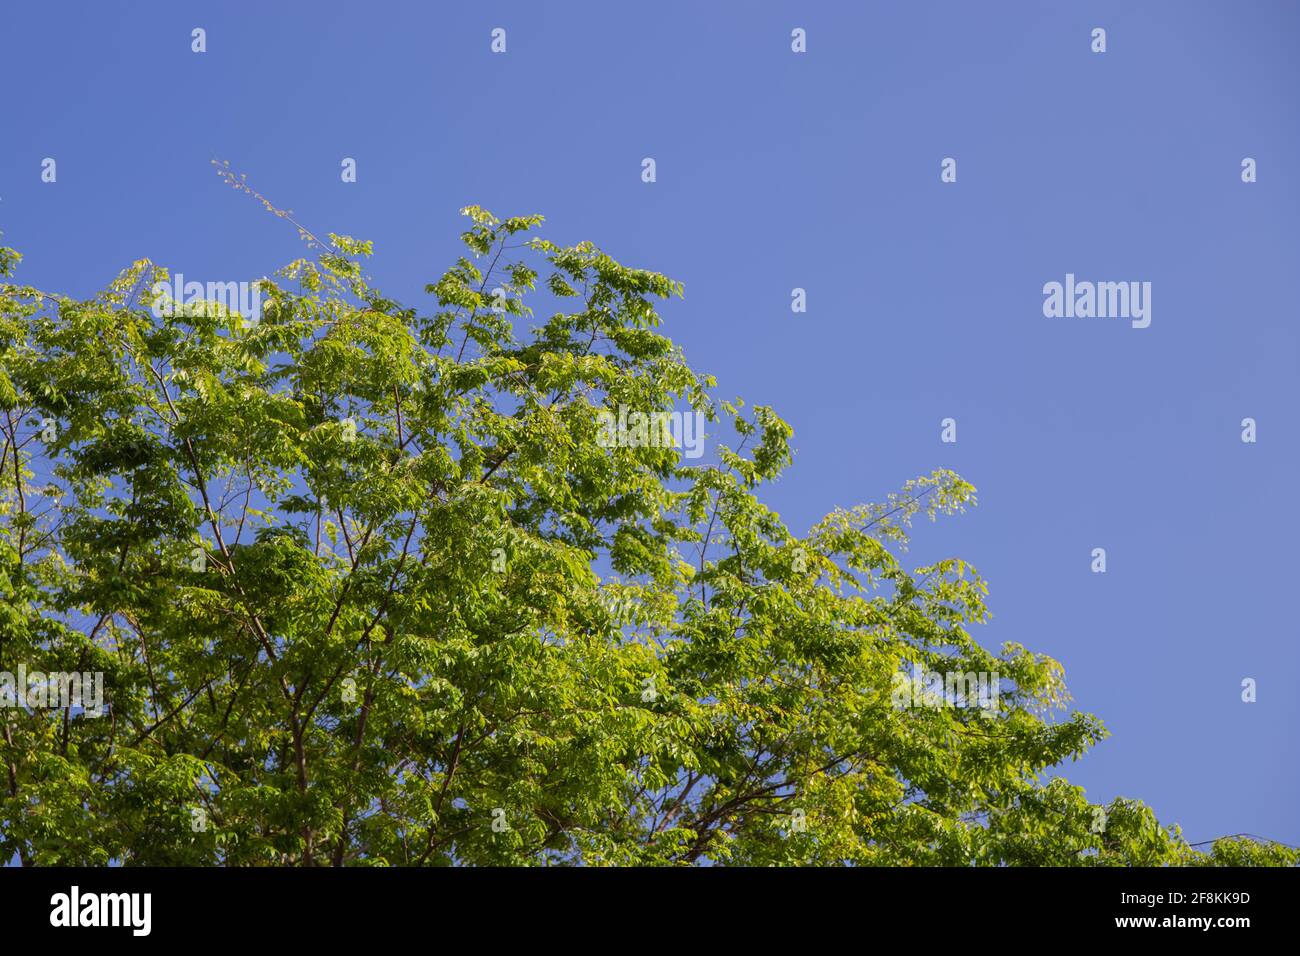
[367, 587]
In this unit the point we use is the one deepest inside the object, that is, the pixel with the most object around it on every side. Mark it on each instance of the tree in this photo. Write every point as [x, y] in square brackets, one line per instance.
[372, 586]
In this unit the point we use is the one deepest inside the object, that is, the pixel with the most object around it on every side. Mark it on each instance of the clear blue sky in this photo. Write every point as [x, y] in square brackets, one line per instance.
[821, 171]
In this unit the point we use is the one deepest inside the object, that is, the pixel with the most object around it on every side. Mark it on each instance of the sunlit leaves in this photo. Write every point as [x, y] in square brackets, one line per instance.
[367, 589]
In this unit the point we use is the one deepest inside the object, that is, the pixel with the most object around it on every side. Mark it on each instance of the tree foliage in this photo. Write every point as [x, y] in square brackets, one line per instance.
[366, 588]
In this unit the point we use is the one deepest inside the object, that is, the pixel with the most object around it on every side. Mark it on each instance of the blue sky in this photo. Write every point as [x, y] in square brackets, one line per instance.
[778, 170]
